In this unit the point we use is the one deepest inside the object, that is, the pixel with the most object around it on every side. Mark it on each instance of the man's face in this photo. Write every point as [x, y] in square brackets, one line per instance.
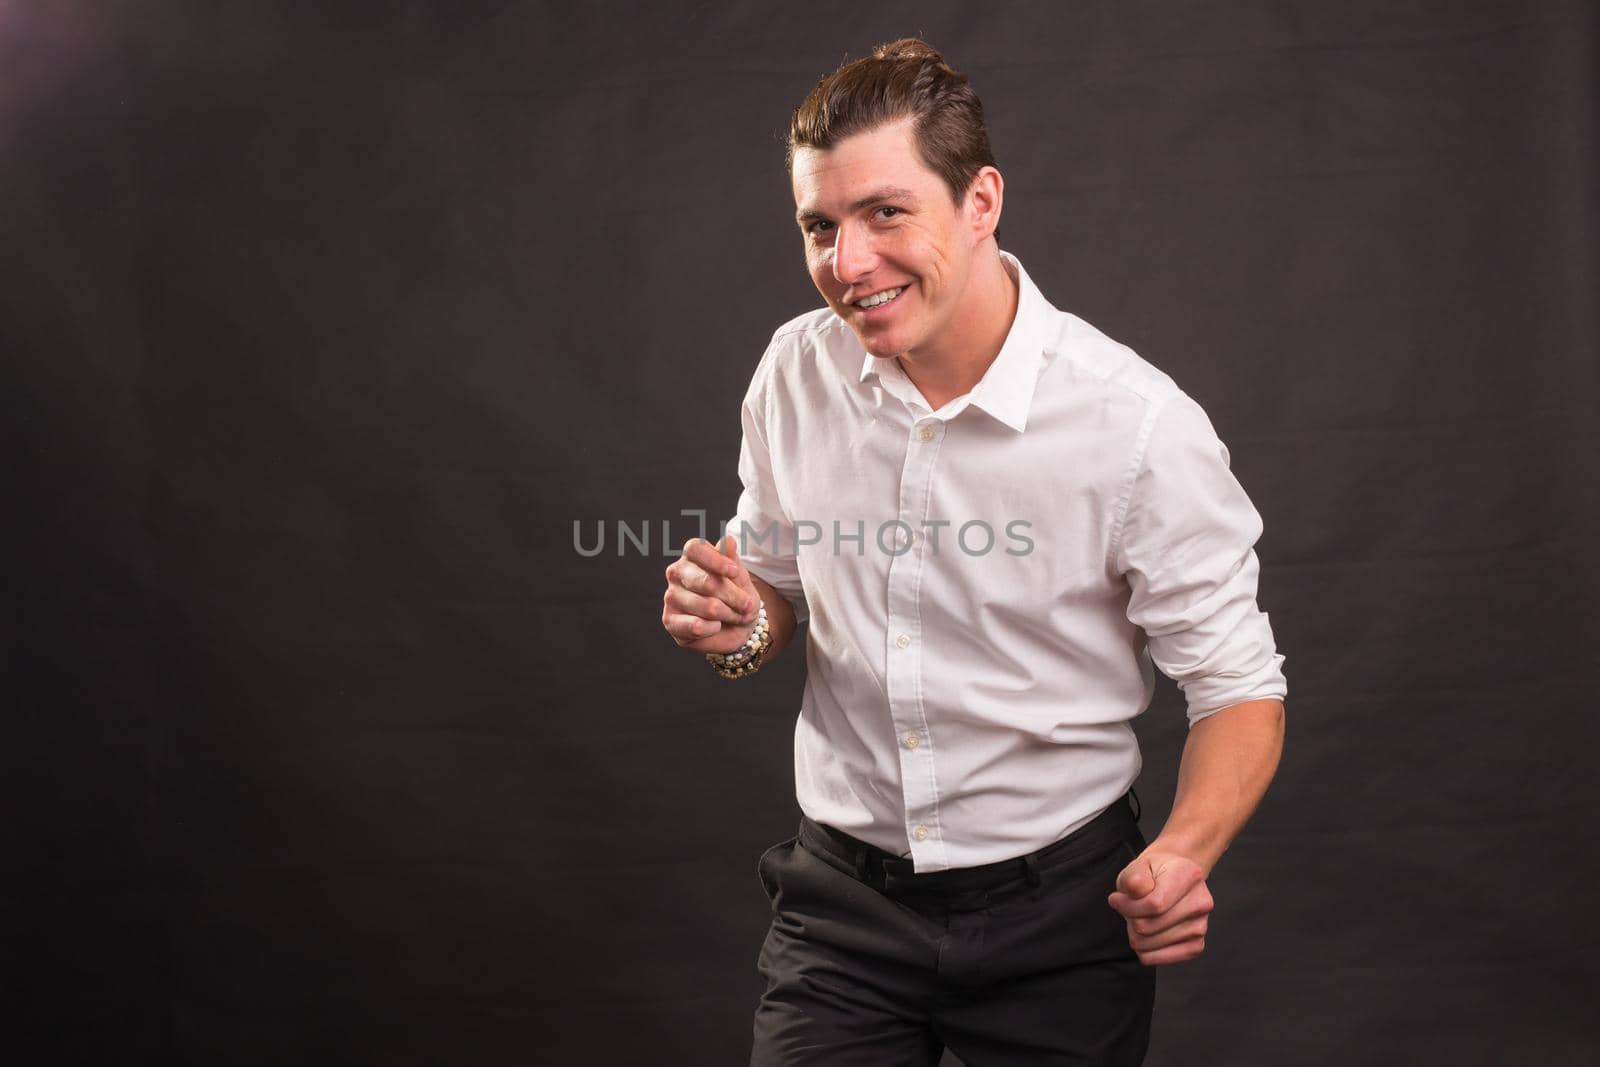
[877, 222]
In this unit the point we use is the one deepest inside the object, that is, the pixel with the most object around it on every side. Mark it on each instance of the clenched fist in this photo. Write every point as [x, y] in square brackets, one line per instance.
[711, 603]
[1164, 898]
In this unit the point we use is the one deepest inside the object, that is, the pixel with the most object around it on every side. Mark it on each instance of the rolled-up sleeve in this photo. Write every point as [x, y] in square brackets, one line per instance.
[764, 531]
[1186, 549]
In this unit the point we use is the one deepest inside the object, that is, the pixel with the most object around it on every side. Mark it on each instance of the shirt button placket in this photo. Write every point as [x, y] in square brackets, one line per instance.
[904, 674]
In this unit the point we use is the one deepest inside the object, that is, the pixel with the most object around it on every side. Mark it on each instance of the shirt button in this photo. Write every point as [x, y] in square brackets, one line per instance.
[920, 833]
[903, 641]
[913, 740]
[926, 433]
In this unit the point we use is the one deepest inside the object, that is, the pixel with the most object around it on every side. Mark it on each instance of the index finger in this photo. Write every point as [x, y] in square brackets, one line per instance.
[702, 552]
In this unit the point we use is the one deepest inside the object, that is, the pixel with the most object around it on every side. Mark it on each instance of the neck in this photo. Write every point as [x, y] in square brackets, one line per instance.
[974, 338]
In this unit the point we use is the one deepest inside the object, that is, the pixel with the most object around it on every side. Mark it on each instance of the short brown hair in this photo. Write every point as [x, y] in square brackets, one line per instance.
[902, 79]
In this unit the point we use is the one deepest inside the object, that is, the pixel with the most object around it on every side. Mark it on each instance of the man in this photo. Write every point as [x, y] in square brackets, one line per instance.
[995, 518]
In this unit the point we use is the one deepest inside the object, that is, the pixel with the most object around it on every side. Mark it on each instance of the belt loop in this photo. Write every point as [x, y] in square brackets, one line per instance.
[1133, 800]
[861, 864]
[1031, 864]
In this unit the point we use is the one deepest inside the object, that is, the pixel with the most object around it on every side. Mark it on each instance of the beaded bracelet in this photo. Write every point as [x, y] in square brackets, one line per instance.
[746, 659]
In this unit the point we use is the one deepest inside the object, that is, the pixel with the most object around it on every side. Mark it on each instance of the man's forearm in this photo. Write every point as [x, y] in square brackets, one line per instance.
[780, 617]
[1228, 762]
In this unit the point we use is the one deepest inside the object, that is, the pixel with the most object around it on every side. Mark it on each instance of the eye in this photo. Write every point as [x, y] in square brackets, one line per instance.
[817, 227]
[888, 211]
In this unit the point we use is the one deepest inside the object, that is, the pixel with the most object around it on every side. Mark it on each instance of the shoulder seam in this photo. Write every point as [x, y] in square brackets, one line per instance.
[799, 325]
[1151, 384]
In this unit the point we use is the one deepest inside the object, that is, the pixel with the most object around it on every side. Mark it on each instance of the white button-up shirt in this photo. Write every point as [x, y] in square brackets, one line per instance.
[988, 584]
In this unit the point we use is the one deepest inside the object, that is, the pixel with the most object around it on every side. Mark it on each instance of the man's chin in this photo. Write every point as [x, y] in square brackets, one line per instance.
[876, 344]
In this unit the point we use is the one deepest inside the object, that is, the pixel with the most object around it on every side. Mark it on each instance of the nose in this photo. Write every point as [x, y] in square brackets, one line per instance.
[853, 255]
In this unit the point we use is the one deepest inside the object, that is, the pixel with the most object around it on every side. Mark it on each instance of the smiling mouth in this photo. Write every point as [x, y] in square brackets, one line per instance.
[878, 300]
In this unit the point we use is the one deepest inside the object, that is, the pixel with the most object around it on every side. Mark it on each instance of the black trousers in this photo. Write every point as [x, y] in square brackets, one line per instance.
[1021, 962]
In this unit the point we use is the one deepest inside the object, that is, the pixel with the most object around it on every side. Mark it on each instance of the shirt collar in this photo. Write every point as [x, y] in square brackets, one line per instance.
[1006, 389]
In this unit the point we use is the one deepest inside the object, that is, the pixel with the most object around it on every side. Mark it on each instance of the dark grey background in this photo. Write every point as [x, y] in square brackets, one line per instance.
[322, 324]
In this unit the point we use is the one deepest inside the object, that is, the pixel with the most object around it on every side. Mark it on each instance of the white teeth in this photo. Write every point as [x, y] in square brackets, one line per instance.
[879, 298]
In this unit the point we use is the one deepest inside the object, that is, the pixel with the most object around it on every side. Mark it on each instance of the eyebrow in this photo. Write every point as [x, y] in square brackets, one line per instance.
[877, 196]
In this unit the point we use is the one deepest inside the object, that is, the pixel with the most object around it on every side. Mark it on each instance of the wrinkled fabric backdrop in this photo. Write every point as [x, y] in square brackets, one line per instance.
[322, 324]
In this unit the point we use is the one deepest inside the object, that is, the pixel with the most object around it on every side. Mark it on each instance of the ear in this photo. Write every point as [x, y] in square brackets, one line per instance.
[985, 197]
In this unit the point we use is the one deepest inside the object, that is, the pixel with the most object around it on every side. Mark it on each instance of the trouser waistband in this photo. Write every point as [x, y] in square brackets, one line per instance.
[896, 875]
